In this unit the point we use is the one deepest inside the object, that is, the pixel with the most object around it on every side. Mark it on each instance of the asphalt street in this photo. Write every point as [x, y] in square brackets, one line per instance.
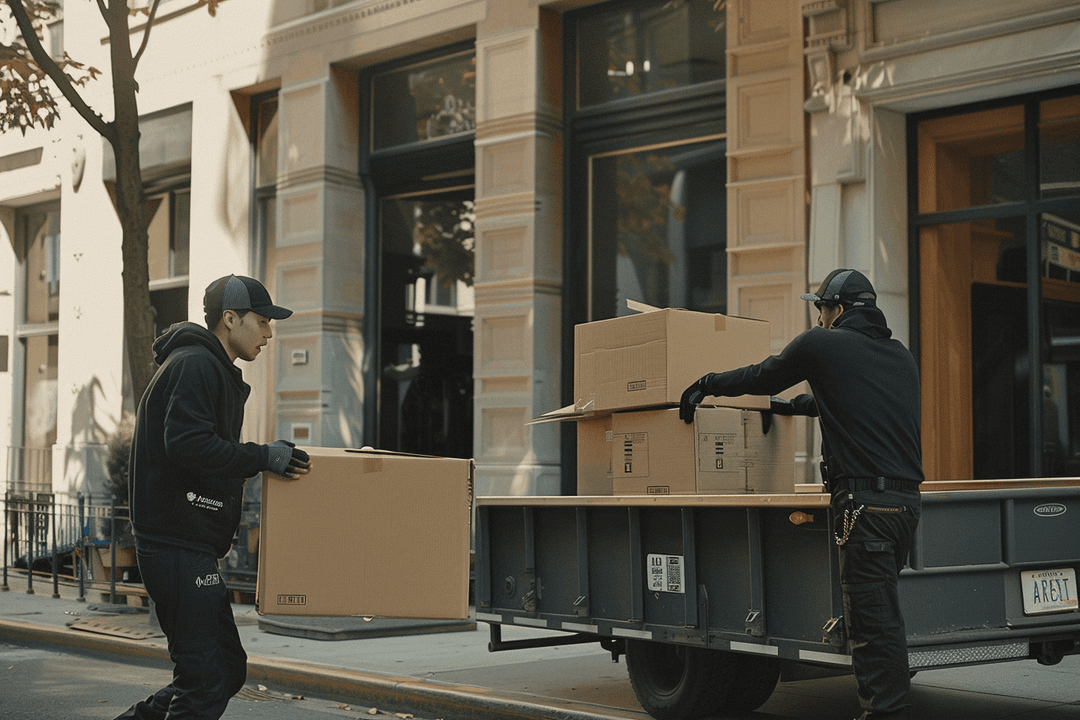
[41, 684]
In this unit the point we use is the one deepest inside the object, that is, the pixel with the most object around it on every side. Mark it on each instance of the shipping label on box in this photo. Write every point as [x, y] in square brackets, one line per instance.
[367, 533]
[648, 359]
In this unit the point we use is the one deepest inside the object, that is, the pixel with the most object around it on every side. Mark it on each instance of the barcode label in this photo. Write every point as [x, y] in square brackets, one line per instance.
[666, 573]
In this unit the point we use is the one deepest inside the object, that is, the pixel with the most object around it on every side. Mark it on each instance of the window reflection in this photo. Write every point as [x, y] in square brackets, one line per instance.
[651, 47]
[424, 101]
[658, 229]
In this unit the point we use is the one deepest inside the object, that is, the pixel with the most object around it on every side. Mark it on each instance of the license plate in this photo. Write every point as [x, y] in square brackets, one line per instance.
[1047, 591]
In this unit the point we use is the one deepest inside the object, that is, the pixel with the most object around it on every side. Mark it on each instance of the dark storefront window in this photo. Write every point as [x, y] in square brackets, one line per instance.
[634, 50]
[648, 153]
[425, 101]
[419, 165]
[998, 241]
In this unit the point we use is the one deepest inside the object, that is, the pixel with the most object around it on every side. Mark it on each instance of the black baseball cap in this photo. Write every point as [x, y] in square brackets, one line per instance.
[236, 292]
[849, 288]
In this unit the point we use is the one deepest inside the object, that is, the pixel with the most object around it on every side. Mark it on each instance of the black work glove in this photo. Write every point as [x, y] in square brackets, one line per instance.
[692, 397]
[799, 405]
[286, 459]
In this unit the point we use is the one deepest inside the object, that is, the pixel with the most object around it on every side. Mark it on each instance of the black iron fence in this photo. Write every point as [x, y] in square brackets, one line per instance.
[48, 537]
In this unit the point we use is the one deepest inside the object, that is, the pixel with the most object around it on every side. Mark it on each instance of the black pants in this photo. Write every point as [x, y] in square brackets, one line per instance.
[194, 612]
[870, 563]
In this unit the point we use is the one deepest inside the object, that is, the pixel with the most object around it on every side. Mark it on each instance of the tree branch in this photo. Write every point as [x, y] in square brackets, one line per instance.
[146, 33]
[50, 68]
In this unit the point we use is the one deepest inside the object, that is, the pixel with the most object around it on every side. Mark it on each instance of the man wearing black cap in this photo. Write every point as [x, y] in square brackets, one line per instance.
[866, 395]
[188, 469]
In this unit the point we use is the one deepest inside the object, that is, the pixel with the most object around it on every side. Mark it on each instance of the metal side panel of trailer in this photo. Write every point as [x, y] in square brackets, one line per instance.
[759, 574]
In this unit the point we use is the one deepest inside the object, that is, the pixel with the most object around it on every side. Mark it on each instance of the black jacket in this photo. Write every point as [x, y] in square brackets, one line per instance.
[866, 386]
[188, 465]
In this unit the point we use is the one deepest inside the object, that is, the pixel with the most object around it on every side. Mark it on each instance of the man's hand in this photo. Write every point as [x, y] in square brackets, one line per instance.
[692, 397]
[288, 460]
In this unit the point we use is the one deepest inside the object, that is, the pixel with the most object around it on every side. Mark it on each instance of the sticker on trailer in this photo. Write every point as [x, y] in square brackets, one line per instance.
[1047, 591]
[666, 573]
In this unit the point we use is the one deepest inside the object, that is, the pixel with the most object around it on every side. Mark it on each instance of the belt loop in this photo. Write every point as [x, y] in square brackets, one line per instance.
[879, 484]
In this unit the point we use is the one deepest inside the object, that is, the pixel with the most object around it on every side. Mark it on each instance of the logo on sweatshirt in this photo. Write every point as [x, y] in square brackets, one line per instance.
[211, 579]
[204, 503]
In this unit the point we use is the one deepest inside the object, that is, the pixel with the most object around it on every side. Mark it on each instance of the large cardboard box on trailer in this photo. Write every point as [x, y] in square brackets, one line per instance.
[367, 533]
[725, 451]
[649, 358]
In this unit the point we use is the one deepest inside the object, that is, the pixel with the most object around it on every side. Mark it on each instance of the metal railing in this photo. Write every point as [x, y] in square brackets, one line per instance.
[43, 532]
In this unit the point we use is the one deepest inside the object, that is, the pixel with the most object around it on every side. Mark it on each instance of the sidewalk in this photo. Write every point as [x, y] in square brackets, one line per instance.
[452, 674]
[425, 668]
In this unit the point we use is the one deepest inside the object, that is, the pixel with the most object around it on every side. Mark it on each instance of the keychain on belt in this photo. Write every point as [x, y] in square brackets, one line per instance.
[850, 516]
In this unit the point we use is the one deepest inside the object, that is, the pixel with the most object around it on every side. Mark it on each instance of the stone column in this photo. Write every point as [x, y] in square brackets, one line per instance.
[767, 172]
[519, 242]
[315, 260]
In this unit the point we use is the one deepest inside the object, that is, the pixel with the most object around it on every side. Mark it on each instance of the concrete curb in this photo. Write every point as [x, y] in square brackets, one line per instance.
[401, 694]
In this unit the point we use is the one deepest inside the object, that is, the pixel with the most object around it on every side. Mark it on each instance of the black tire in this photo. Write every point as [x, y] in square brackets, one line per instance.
[679, 682]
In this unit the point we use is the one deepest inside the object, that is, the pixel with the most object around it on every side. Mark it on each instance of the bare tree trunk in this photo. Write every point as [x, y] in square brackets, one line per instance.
[130, 207]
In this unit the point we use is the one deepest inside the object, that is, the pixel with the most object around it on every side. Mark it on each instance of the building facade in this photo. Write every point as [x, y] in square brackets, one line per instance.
[442, 189]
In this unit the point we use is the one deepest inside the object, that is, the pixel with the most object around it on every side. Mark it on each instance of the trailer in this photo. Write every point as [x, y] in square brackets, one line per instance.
[715, 598]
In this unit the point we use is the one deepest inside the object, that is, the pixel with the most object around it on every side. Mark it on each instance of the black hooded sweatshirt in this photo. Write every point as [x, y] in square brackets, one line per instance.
[188, 465]
[866, 387]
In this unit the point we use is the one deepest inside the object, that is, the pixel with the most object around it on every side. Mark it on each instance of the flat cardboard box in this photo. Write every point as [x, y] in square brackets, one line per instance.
[648, 359]
[724, 452]
[367, 533]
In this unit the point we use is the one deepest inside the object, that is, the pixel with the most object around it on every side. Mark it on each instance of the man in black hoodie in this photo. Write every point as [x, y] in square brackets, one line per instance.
[866, 395]
[188, 469]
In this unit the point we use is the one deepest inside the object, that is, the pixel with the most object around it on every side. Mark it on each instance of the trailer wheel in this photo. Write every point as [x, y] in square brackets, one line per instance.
[679, 681]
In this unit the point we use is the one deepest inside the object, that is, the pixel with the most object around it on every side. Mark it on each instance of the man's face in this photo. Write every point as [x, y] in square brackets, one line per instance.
[827, 314]
[249, 335]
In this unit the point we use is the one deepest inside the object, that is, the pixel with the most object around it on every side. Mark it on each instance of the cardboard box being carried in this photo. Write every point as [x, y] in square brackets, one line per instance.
[367, 533]
[648, 359]
[724, 452]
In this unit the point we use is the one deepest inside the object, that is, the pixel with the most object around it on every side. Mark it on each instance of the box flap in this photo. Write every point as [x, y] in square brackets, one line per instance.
[640, 306]
[570, 412]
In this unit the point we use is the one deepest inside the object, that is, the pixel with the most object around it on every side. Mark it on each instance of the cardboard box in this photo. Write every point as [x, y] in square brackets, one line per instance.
[724, 452]
[367, 533]
[594, 455]
[648, 359]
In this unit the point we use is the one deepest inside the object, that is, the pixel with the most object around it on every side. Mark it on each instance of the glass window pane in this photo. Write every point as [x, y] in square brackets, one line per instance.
[1061, 247]
[425, 101]
[649, 47]
[181, 233]
[158, 229]
[976, 159]
[266, 141]
[41, 233]
[658, 231]
[427, 264]
[1059, 147]
[1000, 380]
[1061, 388]
[40, 383]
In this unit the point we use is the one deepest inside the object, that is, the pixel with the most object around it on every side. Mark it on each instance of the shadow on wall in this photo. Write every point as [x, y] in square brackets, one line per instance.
[86, 457]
